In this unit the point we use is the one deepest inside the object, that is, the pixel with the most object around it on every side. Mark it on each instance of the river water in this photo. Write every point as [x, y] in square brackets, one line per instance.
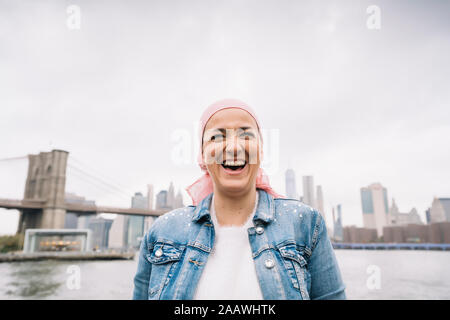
[396, 274]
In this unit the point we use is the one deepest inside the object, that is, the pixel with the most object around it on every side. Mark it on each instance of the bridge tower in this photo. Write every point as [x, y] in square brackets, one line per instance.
[46, 182]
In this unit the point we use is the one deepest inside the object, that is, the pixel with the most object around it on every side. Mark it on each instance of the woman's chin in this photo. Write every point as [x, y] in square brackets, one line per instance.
[234, 187]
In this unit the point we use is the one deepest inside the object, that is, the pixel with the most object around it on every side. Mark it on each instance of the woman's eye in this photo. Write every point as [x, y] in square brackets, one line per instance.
[216, 137]
[248, 134]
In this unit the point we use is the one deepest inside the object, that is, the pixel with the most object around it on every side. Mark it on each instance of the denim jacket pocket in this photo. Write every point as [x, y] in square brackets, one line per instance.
[164, 252]
[163, 258]
[296, 267]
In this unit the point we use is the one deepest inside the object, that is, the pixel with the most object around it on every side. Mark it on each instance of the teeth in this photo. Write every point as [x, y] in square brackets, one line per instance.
[234, 163]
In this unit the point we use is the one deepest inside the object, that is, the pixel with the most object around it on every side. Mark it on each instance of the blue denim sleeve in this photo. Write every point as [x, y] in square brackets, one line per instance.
[142, 277]
[326, 280]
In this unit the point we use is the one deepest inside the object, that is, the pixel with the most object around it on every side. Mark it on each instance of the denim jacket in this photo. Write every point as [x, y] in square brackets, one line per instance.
[292, 252]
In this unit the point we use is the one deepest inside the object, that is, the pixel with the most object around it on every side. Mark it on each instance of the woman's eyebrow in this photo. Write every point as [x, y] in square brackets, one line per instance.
[223, 130]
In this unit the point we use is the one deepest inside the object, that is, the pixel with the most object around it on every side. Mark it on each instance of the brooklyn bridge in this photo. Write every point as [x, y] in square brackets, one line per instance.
[44, 205]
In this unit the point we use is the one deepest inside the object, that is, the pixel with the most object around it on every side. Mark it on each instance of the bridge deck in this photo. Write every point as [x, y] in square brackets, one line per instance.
[77, 208]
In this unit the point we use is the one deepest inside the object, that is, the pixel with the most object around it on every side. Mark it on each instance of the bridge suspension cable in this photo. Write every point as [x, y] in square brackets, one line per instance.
[14, 158]
[81, 164]
[99, 186]
[97, 181]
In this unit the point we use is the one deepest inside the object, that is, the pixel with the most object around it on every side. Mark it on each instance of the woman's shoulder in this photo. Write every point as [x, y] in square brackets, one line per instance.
[172, 222]
[302, 217]
[174, 216]
[295, 207]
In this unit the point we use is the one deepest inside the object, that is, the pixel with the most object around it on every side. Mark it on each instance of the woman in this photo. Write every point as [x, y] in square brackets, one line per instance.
[239, 239]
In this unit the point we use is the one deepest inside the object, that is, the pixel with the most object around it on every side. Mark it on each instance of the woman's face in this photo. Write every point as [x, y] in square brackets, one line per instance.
[231, 147]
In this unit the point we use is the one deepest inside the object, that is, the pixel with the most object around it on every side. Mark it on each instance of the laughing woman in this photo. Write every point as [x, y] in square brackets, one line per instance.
[239, 239]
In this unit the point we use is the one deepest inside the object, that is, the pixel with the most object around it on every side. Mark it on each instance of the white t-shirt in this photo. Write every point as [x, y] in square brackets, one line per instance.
[229, 272]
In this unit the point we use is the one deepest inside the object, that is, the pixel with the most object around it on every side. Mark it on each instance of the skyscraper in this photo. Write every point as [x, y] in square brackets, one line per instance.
[178, 200]
[161, 200]
[170, 196]
[117, 238]
[319, 203]
[127, 231]
[374, 200]
[134, 225]
[150, 196]
[308, 191]
[337, 224]
[100, 232]
[73, 220]
[148, 221]
[291, 187]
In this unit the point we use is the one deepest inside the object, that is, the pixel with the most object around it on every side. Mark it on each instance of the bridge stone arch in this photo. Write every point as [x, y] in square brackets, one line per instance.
[46, 180]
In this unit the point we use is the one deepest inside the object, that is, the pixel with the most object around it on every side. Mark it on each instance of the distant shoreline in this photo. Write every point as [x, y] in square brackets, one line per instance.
[92, 255]
[392, 246]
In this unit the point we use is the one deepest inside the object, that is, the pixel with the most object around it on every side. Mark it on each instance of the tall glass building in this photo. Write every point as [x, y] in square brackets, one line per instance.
[100, 232]
[134, 225]
[291, 188]
[308, 191]
[337, 226]
[375, 207]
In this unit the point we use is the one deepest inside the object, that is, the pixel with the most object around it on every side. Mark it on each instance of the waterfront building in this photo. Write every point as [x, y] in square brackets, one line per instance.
[54, 240]
[394, 234]
[84, 220]
[438, 232]
[375, 210]
[398, 218]
[100, 232]
[428, 216]
[353, 234]
[440, 210]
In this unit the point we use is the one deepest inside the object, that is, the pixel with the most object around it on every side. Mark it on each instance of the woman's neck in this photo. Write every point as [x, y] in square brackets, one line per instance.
[234, 210]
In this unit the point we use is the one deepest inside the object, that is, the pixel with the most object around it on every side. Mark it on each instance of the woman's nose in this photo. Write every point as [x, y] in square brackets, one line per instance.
[234, 148]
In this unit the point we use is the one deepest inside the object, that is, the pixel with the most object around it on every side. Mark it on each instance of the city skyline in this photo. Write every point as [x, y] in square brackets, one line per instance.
[46, 179]
[352, 106]
[308, 181]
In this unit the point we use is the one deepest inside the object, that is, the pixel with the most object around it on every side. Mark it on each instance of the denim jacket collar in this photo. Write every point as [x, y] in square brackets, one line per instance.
[202, 209]
[264, 211]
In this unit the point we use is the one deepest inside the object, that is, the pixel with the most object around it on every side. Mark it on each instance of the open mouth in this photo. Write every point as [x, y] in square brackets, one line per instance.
[234, 165]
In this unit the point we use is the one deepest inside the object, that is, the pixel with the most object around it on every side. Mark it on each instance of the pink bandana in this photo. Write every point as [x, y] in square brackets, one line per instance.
[204, 185]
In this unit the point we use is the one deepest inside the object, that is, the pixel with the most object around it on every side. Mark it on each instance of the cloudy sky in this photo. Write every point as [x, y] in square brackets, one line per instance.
[351, 105]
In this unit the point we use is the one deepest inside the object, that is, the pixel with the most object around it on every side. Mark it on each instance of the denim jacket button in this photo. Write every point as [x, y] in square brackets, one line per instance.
[259, 230]
[269, 263]
[158, 253]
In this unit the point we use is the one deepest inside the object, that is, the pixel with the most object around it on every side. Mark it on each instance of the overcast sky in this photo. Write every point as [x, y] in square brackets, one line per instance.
[351, 105]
